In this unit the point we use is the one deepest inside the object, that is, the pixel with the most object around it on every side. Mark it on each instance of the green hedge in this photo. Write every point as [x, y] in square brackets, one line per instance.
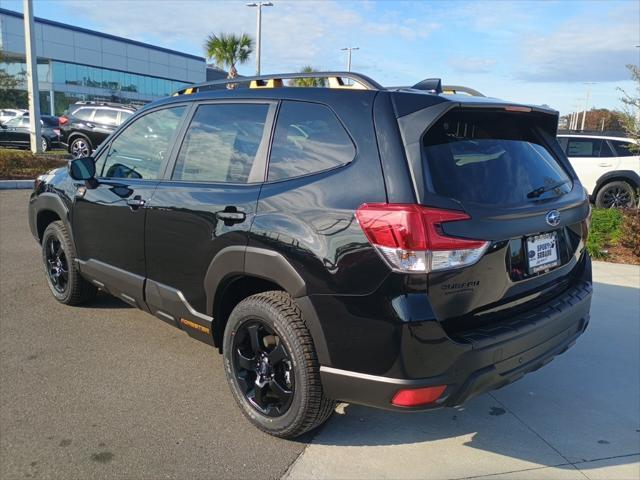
[21, 164]
[604, 231]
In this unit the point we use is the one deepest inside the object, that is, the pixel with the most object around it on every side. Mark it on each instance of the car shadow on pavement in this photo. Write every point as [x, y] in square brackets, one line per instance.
[579, 408]
[106, 301]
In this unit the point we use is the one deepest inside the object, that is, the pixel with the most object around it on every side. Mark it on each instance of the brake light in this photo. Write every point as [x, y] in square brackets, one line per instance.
[586, 224]
[517, 108]
[63, 120]
[410, 238]
[417, 396]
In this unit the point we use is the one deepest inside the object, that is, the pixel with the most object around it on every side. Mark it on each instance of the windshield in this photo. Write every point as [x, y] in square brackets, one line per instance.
[491, 158]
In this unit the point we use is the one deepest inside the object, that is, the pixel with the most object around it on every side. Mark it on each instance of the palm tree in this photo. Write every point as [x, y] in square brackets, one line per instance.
[227, 50]
[308, 82]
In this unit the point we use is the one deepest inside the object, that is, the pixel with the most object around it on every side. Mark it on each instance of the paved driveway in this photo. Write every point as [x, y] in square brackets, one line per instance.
[576, 418]
[109, 391]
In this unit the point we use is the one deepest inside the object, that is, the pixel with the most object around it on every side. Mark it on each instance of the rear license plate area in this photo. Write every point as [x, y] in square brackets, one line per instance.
[542, 252]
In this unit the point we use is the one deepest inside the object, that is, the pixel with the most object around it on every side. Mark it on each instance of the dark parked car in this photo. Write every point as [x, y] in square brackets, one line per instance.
[15, 132]
[85, 125]
[403, 249]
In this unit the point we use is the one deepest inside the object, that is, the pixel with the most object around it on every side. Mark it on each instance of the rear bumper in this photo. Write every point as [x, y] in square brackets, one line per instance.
[494, 357]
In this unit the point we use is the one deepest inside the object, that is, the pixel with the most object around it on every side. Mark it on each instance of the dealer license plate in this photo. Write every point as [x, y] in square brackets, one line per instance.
[542, 251]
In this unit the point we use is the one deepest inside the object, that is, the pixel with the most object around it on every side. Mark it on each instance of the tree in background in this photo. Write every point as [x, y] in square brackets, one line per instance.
[631, 101]
[601, 119]
[308, 82]
[10, 95]
[229, 50]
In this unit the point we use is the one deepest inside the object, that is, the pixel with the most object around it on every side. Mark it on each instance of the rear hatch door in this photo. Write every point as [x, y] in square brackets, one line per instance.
[502, 166]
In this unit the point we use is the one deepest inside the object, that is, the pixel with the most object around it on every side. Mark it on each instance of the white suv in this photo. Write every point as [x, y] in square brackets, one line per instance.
[607, 167]
[7, 114]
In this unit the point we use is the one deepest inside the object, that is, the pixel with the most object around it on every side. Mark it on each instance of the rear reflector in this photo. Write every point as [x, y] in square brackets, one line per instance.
[410, 238]
[516, 108]
[417, 396]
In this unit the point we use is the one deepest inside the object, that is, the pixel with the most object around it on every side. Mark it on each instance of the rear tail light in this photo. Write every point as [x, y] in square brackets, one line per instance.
[586, 223]
[417, 396]
[63, 120]
[410, 237]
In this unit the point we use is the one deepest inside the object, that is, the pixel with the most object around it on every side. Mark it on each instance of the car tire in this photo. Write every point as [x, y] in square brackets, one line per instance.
[45, 145]
[617, 194]
[58, 257]
[80, 147]
[280, 334]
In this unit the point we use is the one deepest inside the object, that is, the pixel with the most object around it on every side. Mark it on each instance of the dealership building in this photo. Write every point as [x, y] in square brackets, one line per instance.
[80, 64]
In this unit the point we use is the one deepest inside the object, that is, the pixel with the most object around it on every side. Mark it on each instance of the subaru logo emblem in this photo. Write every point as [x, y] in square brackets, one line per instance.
[553, 218]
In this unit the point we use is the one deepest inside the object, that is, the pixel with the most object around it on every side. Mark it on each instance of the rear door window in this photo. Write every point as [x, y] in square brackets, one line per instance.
[309, 138]
[491, 158]
[588, 147]
[222, 144]
[106, 117]
[84, 113]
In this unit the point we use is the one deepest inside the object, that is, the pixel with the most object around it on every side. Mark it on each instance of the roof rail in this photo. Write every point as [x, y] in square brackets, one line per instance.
[453, 89]
[106, 104]
[336, 80]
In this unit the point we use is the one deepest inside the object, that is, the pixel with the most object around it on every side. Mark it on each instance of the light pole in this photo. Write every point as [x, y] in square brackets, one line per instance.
[259, 29]
[586, 103]
[32, 77]
[349, 49]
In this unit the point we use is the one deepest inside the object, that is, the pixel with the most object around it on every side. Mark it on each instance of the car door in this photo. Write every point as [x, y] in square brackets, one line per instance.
[590, 158]
[207, 203]
[109, 216]
[627, 154]
[8, 131]
[21, 136]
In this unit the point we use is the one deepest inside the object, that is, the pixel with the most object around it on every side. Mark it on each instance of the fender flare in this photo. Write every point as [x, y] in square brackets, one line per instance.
[620, 174]
[52, 202]
[269, 265]
[252, 261]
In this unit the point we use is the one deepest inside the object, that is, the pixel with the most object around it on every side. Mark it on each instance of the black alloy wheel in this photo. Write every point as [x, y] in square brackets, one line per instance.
[57, 264]
[616, 194]
[272, 367]
[59, 261]
[263, 368]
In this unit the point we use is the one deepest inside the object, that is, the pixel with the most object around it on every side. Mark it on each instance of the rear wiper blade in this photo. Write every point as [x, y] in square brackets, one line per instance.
[544, 189]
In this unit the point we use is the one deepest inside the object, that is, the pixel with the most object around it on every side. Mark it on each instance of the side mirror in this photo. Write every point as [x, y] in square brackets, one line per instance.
[82, 168]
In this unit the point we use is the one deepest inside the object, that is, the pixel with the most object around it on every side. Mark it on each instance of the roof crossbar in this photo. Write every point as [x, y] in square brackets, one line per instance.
[335, 80]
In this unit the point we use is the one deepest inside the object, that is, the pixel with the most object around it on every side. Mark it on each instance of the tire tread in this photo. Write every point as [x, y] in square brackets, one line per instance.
[319, 408]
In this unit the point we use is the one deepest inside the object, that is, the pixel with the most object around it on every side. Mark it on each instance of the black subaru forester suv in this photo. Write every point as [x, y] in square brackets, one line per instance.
[405, 249]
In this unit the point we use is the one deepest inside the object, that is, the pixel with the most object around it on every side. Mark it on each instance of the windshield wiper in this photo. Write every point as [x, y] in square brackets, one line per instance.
[544, 189]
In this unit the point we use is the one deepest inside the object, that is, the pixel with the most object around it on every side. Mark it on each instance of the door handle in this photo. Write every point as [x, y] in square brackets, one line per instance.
[231, 215]
[605, 164]
[136, 202]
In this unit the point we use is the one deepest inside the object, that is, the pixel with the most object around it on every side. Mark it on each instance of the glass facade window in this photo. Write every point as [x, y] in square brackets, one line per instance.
[71, 82]
[72, 74]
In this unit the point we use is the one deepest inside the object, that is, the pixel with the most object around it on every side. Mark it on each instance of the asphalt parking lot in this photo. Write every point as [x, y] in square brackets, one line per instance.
[108, 391]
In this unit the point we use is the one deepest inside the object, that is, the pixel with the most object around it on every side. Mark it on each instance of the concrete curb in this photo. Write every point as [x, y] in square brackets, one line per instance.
[15, 184]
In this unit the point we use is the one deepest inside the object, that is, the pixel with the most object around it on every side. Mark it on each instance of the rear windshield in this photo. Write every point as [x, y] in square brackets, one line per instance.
[491, 158]
[50, 121]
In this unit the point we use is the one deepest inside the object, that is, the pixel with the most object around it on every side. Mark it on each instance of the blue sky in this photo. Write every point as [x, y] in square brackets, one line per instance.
[537, 52]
